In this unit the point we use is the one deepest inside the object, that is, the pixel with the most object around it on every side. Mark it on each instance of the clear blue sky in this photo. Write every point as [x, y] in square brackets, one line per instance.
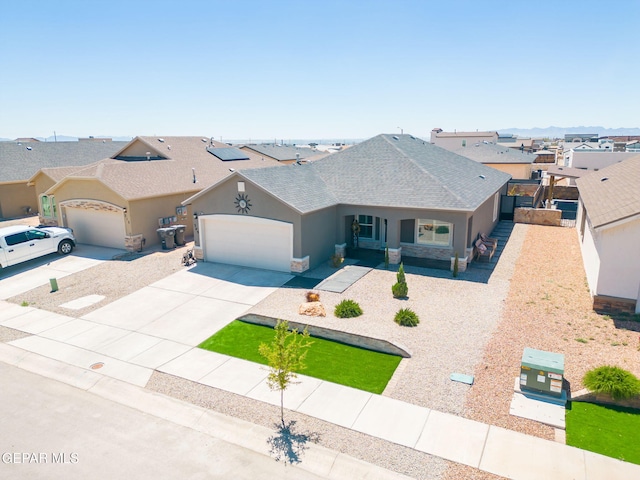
[314, 69]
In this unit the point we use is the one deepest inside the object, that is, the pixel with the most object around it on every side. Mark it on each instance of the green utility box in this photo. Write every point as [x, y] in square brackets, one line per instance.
[542, 372]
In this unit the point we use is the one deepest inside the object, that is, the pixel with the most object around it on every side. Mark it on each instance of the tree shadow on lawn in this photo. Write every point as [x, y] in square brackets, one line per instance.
[288, 445]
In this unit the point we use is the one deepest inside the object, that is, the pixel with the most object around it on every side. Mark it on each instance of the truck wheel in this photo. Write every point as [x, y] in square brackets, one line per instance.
[65, 247]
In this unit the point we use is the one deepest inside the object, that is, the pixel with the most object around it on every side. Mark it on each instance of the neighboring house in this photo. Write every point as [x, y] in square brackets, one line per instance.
[580, 137]
[594, 159]
[513, 162]
[609, 228]
[121, 201]
[454, 140]
[633, 146]
[405, 193]
[20, 160]
[518, 143]
[283, 153]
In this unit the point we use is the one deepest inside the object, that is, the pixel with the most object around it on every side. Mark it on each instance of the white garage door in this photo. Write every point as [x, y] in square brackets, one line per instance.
[248, 241]
[97, 227]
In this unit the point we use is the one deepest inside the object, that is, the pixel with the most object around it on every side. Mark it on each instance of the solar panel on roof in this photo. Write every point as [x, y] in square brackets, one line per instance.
[228, 154]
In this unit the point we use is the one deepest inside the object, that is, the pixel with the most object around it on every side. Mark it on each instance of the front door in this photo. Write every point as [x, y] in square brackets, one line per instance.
[348, 233]
[383, 232]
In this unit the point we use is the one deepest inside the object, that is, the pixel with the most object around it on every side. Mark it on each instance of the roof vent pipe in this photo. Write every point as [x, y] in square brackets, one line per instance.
[193, 172]
[148, 156]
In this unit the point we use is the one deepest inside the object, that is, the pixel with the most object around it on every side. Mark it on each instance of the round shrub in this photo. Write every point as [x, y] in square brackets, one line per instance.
[407, 318]
[348, 309]
[615, 381]
[399, 290]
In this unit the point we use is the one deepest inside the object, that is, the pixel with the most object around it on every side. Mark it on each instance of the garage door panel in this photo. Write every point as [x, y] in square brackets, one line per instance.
[97, 227]
[248, 241]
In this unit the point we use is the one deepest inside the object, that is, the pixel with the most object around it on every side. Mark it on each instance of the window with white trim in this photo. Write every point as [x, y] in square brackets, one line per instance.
[366, 226]
[48, 206]
[434, 232]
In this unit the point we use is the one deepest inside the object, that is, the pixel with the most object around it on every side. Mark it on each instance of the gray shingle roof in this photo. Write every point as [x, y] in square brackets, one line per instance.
[613, 199]
[17, 163]
[386, 170]
[491, 153]
[281, 152]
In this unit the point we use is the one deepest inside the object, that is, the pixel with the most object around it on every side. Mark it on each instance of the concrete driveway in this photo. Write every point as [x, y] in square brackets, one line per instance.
[34, 273]
[136, 334]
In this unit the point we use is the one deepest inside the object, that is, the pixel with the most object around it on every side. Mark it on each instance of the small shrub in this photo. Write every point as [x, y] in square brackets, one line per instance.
[400, 290]
[407, 318]
[582, 340]
[615, 381]
[348, 309]
[313, 297]
[400, 275]
[336, 260]
[24, 304]
[386, 256]
[442, 229]
[455, 266]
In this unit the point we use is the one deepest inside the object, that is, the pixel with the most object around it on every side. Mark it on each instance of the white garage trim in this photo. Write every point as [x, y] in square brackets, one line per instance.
[95, 223]
[247, 241]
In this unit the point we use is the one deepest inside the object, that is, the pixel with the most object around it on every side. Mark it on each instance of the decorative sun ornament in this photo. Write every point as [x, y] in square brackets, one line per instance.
[242, 203]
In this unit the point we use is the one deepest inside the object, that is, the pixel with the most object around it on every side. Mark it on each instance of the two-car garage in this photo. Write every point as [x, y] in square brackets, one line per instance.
[247, 241]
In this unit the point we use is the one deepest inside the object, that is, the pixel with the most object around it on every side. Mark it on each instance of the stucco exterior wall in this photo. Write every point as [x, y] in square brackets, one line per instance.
[91, 189]
[590, 256]
[15, 198]
[43, 182]
[319, 235]
[143, 216]
[483, 221]
[521, 171]
[619, 274]
[596, 160]
[138, 149]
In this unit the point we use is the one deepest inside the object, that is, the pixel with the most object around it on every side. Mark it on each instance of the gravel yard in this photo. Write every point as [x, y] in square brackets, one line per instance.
[536, 297]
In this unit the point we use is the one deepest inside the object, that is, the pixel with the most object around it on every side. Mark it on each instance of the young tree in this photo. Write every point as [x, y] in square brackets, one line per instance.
[285, 355]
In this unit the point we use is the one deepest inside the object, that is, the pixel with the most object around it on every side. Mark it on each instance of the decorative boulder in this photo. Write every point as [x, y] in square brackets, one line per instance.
[312, 309]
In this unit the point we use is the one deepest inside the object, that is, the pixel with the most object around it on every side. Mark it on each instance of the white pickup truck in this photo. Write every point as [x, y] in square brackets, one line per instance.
[21, 243]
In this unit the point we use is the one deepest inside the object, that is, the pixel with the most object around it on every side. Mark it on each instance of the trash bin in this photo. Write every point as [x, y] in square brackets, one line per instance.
[167, 236]
[180, 234]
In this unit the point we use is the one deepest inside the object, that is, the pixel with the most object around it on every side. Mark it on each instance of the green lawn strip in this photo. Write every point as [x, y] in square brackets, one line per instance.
[331, 361]
[608, 430]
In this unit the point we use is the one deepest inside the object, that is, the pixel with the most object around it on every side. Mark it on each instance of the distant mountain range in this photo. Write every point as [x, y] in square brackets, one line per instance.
[559, 132]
